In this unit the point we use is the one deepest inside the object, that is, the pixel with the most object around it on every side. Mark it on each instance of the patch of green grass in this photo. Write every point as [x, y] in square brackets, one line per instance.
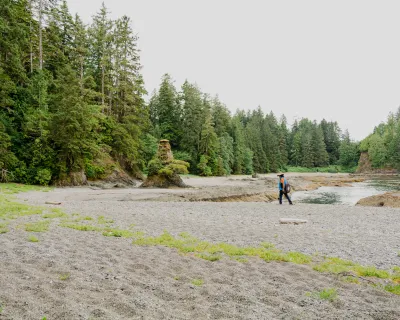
[298, 258]
[103, 220]
[393, 289]
[13, 188]
[32, 238]
[350, 280]
[240, 259]
[334, 265]
[65, 276]
[337, 265]
[80, 227]
[138, 234]
[118, 233]
[197, 282]
[3, 227]
[396, 275]
[56, 213]
[209, 257]
[40, 226]
[267, 245]
[186, 243]
[10, 209]
[329, 294]
[78, 218]
[371, 272]
[177, 278]
[330, 169]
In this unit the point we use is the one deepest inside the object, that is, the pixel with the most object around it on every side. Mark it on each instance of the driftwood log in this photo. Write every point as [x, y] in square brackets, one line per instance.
[291, 221]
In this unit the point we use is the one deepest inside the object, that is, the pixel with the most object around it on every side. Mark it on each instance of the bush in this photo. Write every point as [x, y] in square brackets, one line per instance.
[205, 170]
[92, 171]
[154, 167]
[183, 156]
[43, 176]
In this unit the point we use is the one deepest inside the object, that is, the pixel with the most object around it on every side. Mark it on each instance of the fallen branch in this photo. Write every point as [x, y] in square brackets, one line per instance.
[53, 203]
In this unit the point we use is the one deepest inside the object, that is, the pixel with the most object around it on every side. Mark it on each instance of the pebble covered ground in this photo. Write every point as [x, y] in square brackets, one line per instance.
[72, 274]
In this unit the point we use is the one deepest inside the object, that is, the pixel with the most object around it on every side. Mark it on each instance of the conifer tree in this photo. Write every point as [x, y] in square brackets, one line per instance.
[169, 112]
[100, 33]
[74, 123]
[193, 118]
[321, 157]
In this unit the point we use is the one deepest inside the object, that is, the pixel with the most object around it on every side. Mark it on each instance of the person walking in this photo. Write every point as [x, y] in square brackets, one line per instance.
[281, 185]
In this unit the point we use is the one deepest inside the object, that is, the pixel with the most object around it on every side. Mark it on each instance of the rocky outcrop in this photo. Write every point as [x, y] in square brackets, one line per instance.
[365, 166]
[73, 179]
[382, 200]
[117, 179]
[164, 170]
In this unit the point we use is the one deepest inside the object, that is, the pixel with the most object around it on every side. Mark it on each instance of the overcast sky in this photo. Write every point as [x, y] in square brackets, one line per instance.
[338, 59]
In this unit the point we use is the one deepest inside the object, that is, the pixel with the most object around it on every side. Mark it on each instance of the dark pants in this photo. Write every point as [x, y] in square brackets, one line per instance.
[281, 193]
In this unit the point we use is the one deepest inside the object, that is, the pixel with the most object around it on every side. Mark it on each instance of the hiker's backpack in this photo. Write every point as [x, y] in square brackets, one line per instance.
[287, 187]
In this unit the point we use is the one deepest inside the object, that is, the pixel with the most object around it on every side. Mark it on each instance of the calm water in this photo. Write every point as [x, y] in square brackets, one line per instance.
[348, 195]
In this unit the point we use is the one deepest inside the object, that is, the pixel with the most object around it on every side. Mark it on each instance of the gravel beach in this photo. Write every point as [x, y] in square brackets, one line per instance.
[109, 278]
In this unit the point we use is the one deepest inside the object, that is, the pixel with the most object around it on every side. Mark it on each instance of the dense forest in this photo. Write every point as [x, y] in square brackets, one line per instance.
[73, 100]
[383, 145]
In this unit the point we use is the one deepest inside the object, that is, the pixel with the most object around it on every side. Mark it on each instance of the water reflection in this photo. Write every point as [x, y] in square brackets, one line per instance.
[348, 195]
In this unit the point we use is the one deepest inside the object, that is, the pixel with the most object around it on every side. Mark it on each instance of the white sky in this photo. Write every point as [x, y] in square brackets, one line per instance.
[337, 59]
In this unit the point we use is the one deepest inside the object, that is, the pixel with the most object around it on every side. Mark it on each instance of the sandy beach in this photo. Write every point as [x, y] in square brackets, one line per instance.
[71, 274]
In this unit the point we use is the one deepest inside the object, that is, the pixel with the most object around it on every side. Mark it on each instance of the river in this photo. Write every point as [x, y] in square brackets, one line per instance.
[348, 195]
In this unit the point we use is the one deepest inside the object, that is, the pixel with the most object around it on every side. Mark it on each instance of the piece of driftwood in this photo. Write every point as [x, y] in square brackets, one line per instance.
[54, 203]
[291, 221]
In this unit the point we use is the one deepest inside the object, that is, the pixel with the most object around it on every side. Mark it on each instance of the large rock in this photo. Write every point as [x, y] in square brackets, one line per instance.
[382, 200]
[164, 170]
[117, 179]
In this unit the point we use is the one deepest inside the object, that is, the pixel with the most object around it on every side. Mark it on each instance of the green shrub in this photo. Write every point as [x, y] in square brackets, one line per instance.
[205, 170]
[43, 176]
[183, 156]
[93, 171]
[40, 226]
[154, 167]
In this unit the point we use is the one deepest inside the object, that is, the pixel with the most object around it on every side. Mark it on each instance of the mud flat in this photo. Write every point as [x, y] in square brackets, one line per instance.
[72, 274]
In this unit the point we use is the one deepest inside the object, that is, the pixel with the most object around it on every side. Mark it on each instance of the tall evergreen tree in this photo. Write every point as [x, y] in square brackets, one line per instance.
[169, 112]
[193, 118]
[74, 123]
[101, 38]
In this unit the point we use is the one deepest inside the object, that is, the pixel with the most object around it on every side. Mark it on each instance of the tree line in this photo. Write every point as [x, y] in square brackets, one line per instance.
[204, 133]
[72, 100]
[383, 145]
